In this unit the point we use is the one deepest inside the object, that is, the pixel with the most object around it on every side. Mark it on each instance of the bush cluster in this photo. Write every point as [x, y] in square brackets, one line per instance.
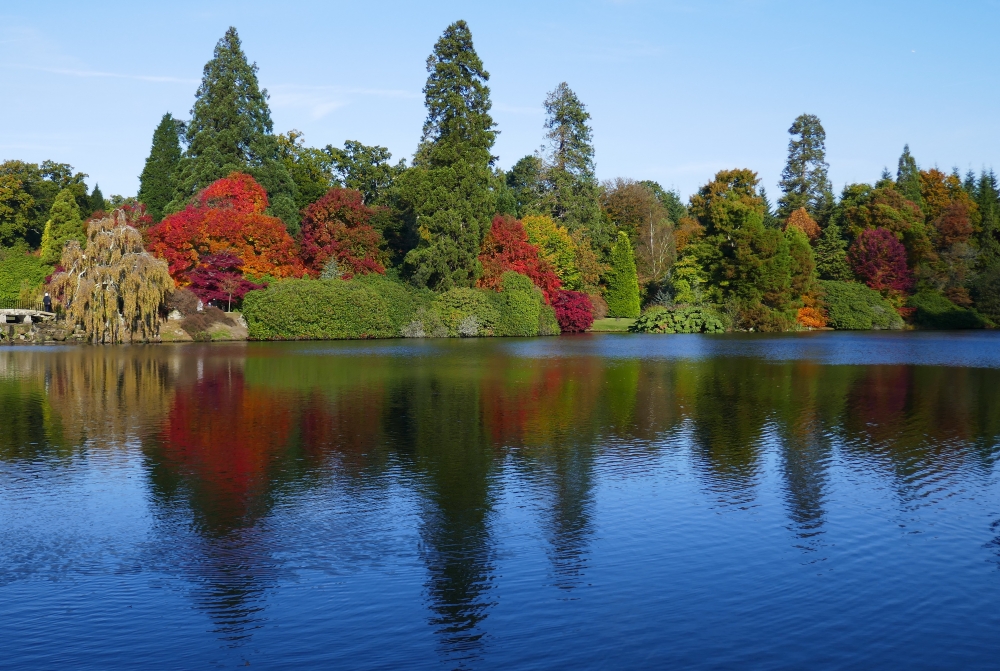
[329, 309]
[574, 311]
[20, 269]
[853, 306]
[937, 312]
[375, 306]
[680, 319]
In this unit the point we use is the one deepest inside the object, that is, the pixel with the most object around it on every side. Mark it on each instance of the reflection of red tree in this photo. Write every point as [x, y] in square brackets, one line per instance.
[877, 403]
[226, 436]
[348, 425]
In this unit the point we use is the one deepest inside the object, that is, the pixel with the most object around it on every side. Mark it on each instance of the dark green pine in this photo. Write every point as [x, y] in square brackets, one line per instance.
[449, 193]
[158, 180]
[231, 130]
[804, 180]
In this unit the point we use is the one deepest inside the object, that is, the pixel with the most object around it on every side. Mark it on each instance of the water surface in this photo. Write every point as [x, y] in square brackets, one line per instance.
[823, 500]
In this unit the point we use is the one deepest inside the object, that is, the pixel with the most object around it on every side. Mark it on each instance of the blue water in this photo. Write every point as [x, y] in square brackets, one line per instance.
[823, 500]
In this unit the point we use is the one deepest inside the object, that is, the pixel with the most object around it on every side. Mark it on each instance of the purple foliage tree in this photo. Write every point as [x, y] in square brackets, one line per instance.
[218, 279]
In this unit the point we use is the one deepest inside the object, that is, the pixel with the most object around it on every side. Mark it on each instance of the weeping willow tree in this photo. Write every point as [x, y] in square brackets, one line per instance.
[112, 288]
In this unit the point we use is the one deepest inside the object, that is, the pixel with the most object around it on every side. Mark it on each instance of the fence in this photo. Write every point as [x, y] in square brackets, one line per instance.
[18, 304]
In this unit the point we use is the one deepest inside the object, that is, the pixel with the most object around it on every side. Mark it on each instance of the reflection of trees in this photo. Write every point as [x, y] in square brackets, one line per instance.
[435, 417]
[729, 411]
[228, 431]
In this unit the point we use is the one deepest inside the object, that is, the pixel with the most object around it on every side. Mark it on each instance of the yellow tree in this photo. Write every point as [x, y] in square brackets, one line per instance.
[555, 246]
[113, 288]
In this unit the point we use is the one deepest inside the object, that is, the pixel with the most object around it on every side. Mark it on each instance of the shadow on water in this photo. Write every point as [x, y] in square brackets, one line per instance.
[230, 432]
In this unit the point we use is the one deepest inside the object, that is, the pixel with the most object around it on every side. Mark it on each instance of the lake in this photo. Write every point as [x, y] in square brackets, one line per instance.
[822, 500]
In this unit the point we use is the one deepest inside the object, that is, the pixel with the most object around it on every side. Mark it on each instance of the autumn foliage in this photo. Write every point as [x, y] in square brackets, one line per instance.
[801, 220]
[574, 311]
[506, 248]
[811, 317]
[228, 216]
[879, 259]
[219, 278]
[337, 226]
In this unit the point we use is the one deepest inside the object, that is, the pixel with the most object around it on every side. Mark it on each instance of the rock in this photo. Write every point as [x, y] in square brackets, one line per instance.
[175, 315]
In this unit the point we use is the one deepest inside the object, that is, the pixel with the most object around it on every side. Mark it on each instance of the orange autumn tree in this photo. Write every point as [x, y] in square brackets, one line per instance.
[227, 216]
[506, 248]
[801, 220]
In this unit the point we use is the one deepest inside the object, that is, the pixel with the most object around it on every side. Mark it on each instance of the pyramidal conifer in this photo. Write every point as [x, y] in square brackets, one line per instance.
[449, 190]
[158, 180]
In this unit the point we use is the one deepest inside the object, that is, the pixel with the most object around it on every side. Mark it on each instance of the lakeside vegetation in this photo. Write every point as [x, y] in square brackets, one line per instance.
[343, 243]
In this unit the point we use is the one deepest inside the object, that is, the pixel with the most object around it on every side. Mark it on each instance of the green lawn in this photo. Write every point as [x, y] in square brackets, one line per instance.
[612, 325]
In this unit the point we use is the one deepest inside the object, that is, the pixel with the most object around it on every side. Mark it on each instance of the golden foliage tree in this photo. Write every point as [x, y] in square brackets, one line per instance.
[801, 220]
[113, 288]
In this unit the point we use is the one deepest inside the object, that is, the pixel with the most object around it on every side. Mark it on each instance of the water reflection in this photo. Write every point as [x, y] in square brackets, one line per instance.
[229, 432]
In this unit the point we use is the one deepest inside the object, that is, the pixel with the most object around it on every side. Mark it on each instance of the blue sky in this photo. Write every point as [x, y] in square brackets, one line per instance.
[677, 90]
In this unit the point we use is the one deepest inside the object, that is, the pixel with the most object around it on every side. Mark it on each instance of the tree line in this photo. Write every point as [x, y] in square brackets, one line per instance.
[222, 195]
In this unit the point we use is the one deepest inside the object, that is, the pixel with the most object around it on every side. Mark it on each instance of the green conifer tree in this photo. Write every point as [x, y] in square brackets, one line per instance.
[908, 177]
[987, 196]
[65, 223]
[524, 180]
[804, 181]
[231, 130]
[158, 181]
[571, 188]
[831, 255]
[622, 294]
[449, 191]
[97, 203]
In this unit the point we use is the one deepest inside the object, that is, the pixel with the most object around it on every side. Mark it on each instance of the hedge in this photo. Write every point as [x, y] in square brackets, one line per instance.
[366, 307]
[17, 266]
[519, 304]
[854, 307]
[937, 312]
[466, 312]
[682, 319]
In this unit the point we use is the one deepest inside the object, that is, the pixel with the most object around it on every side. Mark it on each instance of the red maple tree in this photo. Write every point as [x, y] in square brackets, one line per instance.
[227, 217]
[506, 248]
[336, 226]
[574, 311]
[879, 259]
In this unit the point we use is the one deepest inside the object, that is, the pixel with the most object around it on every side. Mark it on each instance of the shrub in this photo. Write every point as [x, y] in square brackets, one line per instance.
[518, 305]
[680, 319]
[853, 306]
[574, 311]
[197, 324]
[810, 317]
[184, 301]
[371, 306]
[548, 324]
[460, 309]
[17, 268]
[936, 312]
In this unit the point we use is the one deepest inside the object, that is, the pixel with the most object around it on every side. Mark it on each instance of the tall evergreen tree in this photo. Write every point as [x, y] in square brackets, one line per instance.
[987, 196]
[158, 180]
[908, 177]
[571, 188]
[622, 294]
[448, 193]
[97, 203]
[804, 181]
[831, 255]
[524, 180]
[65, 223]
[231, 130]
